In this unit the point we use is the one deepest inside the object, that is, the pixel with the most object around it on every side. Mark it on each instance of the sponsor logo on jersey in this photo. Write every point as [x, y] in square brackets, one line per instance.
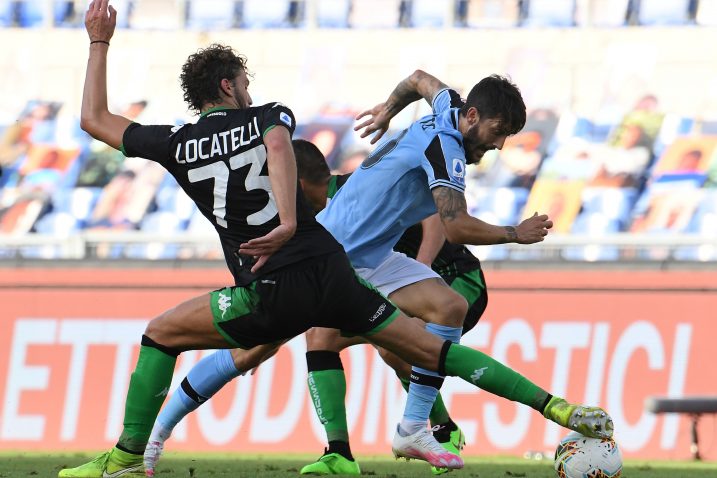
[459, 168]
[477, 374]
[286, 119]
[379, 312]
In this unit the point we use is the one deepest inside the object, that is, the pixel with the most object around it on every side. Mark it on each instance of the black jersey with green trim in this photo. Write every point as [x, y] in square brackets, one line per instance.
[335, 182]
[451, 261]
[220, 162]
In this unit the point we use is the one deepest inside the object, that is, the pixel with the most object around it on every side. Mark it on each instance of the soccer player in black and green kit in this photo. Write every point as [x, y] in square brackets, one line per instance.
[237, 164]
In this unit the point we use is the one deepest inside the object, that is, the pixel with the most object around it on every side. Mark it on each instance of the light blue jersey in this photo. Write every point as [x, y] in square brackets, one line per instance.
[391, 191]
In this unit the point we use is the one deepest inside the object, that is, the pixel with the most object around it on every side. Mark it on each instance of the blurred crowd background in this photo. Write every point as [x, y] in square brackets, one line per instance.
[621, 136]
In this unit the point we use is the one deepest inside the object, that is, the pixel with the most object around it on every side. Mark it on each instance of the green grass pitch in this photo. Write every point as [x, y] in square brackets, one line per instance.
[38, 465]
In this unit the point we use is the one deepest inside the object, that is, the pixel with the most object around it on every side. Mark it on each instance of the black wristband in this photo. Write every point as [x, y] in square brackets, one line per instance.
[100, 41]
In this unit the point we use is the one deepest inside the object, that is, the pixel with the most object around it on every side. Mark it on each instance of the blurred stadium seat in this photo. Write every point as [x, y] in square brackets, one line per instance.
[38, 13]
[664, 12]
[491, 13]
[549, 13]
[363, 14]
[77, 202]
[603, 13]
[265, 13]
[158, 15]
[333, 13]
[430, 13]
[706, 13]
[594, 224]
[8, 13]
[158, 223]
[611, 203]
[174, 200]
[212, 14]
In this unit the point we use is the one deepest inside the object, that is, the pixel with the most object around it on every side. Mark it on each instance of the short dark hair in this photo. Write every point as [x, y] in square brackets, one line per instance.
[204, 70]
[310, 163]
[497, 97]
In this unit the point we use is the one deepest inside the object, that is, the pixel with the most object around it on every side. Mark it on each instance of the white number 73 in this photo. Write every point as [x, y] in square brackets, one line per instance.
[220, 173]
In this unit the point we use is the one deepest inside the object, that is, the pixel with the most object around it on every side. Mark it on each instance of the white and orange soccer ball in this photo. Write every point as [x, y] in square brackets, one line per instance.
[578, 456]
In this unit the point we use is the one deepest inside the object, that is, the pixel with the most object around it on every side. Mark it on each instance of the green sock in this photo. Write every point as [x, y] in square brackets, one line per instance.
[328, 393]
[439, 413]
[494, 377]
[148, 388]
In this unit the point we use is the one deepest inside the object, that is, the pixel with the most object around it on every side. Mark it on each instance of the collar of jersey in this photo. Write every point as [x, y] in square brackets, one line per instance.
[212, 110]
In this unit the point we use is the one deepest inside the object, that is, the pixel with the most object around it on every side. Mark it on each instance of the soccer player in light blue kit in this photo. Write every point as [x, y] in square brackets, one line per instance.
[406, 180]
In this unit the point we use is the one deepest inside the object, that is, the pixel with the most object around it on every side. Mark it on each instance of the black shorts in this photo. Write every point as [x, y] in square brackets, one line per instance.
[471, 285]
[323, 291]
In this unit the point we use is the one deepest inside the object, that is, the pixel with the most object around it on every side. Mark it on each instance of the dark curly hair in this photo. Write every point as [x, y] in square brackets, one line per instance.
[497, 97]
[204, 70]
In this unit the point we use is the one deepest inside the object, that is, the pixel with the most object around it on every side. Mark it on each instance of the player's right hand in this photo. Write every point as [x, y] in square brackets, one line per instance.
[263, 247]
[534, 229]
[100, 20]
[378, 122]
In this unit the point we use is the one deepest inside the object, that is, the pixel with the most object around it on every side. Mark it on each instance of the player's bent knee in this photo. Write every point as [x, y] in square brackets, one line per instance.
[147, 341]
[455, 311]
[319, 338]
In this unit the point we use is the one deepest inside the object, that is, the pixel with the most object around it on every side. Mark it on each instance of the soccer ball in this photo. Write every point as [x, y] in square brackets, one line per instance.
[578, 456]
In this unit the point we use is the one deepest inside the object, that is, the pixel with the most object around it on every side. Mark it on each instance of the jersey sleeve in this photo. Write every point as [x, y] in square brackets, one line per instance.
[445, 163]
[445, 99]
[276, 114]
[149, 142]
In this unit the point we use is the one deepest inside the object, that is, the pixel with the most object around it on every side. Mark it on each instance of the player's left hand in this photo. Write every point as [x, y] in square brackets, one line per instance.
[263, 247]
[100, 20]
[377, 123]
[534, 229]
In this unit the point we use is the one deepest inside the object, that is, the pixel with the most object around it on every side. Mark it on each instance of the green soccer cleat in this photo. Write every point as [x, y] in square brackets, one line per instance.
[453, 442]
[332, 464]
[113, 464]
[593, 422]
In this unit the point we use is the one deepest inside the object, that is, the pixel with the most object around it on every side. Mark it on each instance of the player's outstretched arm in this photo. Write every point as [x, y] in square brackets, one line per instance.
[282, 175]
[96, 119]
[419, 85]
[462, 228]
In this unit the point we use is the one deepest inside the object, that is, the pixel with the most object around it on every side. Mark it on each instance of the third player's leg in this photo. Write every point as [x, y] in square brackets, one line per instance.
[321, 338]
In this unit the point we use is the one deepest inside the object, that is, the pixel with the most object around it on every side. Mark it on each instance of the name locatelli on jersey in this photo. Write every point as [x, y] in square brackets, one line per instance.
[218, 144]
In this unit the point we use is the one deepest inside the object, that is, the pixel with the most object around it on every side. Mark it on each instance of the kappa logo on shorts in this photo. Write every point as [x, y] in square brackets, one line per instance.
[378, 312]
[225, 302]
[285, 118]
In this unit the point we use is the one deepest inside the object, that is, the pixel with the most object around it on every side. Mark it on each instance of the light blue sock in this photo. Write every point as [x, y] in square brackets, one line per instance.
[421, 396]
[205, 379]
